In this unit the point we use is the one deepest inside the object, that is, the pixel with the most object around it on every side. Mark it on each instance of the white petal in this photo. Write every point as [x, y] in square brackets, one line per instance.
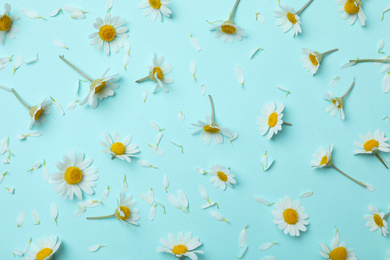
[35, 216]
[58, 105]
[240, 75]
[30, 14]
[181, 116]
[110, 3]
[143, 163]
[203, 192]
[307, 194]
[173, 200]
[54, 211]
[94, 248]
[18, 62]
[5, 88]
[195, 43]
[381, 45]
[216, 215]
[262, 201]
[20, 219]
[144, 95]
[55, 12]
[193, 68]
[182, 198]
[105, 193]
[59, 44]
[124, 184]
[152, 213]
[254, 52]
[243, 237]
[334, 81]
[166, 183]
[266, 246]
[202, 89]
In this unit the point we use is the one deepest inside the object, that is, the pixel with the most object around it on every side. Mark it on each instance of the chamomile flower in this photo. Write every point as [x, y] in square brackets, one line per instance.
[157, 73]
[221, 177]
[7, 27]
[157, 8]
[211, 128]
[337, 251]
[289, 18]
[228, 30]
[122, 150]
[290, 216]
[182, 247]
[125, 211]
[271, 119]
[110, 31]
[377, 221]
[312, 59]
[45, 249]
[100, 88]
[75, 176]
[337, 103]
[353, 9]
[36, 112]
[373, 144]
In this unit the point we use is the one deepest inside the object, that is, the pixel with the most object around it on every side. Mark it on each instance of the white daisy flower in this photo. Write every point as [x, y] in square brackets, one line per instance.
[110, 31]
[312, 59]
[100, 88]
[156, 8]
[221, 177]
[7, 27]
[228, 30]
[290, 216]
[157, 73]
[271, 119]
[183, 246]
[211, 129]
[45, 249]
[36, 112]
[353, 9]
[337, 251]
[122, 150]
[74, 176]
[373, 144]
[337, 102]
[377, 221]
[124, 211]
[289, 18]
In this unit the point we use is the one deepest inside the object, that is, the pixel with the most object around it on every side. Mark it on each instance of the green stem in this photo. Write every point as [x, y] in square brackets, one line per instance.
[212, 109]
[234, 11]
[381, 159]
[285, 123]
[20, 99]
[330, 51]
[143, 79]
[386, 216]
[103, 217]
[304, 7]
[349, 177]
[75, 68]
[349, 90]
[371, 60]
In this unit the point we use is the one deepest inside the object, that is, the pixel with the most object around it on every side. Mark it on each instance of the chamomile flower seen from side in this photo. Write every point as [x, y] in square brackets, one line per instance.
[337, 251]
[312, 59]
[45, 249]
[377, 221]
[157, 73]
[122, 150]
[211, 129]
[271, 119]
[156, 8]
[290, 216]
[353, 10]
[7, 27]
[373, 144]
[74, 176]
[184, 246]
[337, 103]
[221, 177]
[228, 30]
[108, 34]
[289, 18]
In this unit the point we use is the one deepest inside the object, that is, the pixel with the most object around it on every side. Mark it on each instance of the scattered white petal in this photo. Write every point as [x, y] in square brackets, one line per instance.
[243, 237]
[144, 163]
[240, 75]
[208, 205]
[179, 145]
[72, 105]
[267, 246]
[243, 253]
[20, 219]
[218, 216]
[260, 17]
[36, 217]
[233, 137]
[334, 81]
[200, 171]
[5, 88]
[55, 12]
[17, 252]
[183, 199]
[269, 258]
[59, 44]
[369, 186]
[387, 8]
[202, 89]
[149, 199]
[284, 89]
[124, 184]
[152, 213]
[58, 105]
[193, 68]
[105, 193]
[144, 95]
[54, 212]
[80, 212]
[166, 183]
[173, 200]
[181, 116]
[263, 201]
[195, 43]
[381, 45]
[31, 14]
[2, 176]
[155, 126]
[32, 61]
[95, 248]
[110, 3]
[254, 52]
[307, 194]
[348, 64]
[18, 62]
[35, 166]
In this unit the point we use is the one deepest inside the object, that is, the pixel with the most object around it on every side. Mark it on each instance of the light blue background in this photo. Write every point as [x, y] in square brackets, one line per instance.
[336, 201]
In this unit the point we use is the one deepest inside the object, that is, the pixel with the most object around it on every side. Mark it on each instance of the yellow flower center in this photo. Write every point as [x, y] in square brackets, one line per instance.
[42, 254]
[340, 102]
[98, 88]
[156, 4]
[125, 211]
[371, 144]
[35, 112]
[118, 148]
[290, 216]
[291, 18]
[73, 175]
[211, 129]
[5, 23]
[339, 253]
[273, 119]
[107, 33]
[324, 160]
[38, 113]
[378, 220]
[313, 59]
[228, 29]
[160, 74]
[222, 176]
[179, 249]
[351, 7]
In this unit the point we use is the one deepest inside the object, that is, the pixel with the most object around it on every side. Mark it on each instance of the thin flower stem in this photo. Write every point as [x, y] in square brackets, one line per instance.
[143, 79]
[212, 109]
[371, 60]
[234, 10]
[386, 216]
[328, 52]
[349, 177]
[103, 217]
[349, 90]
[381, 159]
[285, 123]
[20, 99]
[304, 7]
[75, 68]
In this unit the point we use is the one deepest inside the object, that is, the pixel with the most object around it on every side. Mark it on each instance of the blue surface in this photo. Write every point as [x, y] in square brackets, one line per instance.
[336, 201]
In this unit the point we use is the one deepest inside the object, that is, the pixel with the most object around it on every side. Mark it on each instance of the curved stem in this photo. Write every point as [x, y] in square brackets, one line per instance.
[386, 216]
[304, 7]
[381, 159]
[75, 68]
[349, 177]
[103, 217]
[234, 10]
[328, 52]
[212, 109]
[285, 123]
[371, 60]
[20, 99]
[349, 90]
[143, 79]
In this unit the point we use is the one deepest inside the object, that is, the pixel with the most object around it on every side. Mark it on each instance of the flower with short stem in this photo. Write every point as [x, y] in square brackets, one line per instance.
[7, 27]
[271, 119]
[353, 10]
[374, 144]
[338, 250]
[337, 102]
[312, 59]
[377, 221]
[357, 60]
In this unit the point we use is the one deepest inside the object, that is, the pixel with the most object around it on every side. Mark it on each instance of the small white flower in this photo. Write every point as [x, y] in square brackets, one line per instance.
[183, 246]
[221, 177]
[312, 59]
[377, 221]
[271, 119]
[288, 19]
[353, 10]
[7, 26]
[322, 157]
[157, 8]
[373, 143]
[45, 249]
[337, 251]
[122, 150]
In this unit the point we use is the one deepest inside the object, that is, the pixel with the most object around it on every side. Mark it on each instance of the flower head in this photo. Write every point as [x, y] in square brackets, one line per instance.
[271, 119]
[122, 150]
[353, 9]
[372, 143]
[125, 211]
[37, 113]
[7, 27]
[312, 59]
[377, 221]
[337, 251]
[45, 249]
[337, 103]
[156, 8]
[183, 246]
[221, 177]
[288, 19]
[322, 158]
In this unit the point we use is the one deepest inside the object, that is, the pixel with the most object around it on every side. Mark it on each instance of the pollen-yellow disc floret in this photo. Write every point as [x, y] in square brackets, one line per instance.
[378, 220]
[339, 253]
[370, 145]
[351, 7]
[35, 112]
[118, 148]
[73, 175]
[290, 216]
[228, 28]
[272, 119]
[156, 4]
[43, 253]
[222, 176]
[159, 72]
[291, 18]
[5, 23]
[98, 88]
[125, 211]
[324, 160]
[211, 129]
[107, 33]
[179, 249]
